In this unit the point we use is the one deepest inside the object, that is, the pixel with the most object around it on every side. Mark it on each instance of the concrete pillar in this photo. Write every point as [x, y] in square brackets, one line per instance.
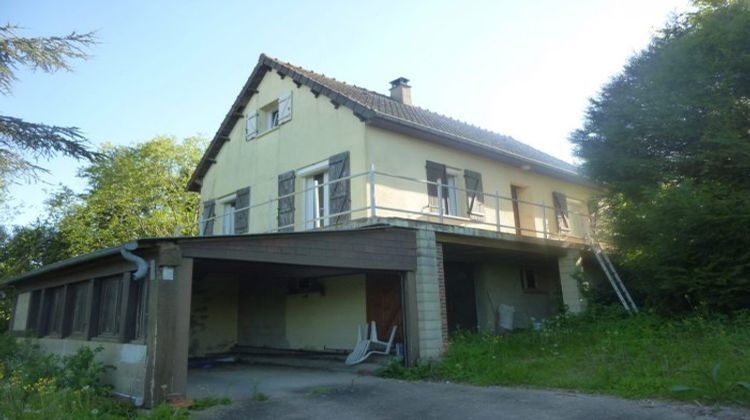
[571, 293]
[428, 294]
[168, 331]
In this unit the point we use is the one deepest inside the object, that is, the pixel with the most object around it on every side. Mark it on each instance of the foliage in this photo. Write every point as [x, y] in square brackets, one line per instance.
[19, 138]
[606, 351]
[669, 138]
[138, 191]
[27, 248]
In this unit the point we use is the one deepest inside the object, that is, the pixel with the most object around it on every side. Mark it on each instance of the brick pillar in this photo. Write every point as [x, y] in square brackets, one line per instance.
[441, 286]
[429, 309]
[568, 265]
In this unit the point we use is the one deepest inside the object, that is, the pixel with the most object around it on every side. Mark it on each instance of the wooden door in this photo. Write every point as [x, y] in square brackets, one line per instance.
[384, 304]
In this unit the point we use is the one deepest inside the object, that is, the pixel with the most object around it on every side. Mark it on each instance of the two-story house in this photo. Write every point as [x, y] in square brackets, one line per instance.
[326, 206]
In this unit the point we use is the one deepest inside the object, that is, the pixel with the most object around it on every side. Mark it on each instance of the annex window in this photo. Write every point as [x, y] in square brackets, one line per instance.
[136, 316]
[35, 311]
[54, 308]
[78, 295]
[21, 311]
[108, 303]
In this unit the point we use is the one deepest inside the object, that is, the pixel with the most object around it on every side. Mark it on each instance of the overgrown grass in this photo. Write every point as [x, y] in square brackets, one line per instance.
[34, 385]
[607, 352]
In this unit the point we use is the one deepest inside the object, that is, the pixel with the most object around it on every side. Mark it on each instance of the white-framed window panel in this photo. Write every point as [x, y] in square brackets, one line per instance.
[451, 201]
[317, 195]
[576, 215]
[228, 206]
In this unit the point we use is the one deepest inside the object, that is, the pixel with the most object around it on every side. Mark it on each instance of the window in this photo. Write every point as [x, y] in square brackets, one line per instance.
[139, 294]
[108, 303]
[317, 195]
[228, 217]
[35, 309]
[78, 307]
[451, 201]
[21, 312]
[54, 309]
[577, 218]
[269, 116]
[528, 279]
[316, 200]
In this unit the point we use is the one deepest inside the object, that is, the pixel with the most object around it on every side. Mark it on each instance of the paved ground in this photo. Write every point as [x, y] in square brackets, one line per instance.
[299, 393]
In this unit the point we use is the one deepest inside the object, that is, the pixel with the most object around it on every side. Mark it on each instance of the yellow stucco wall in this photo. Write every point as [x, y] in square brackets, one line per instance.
[316, 131]
[213, 315]
[501, 284]
[261, 313]
[395, 153]
[329, 321]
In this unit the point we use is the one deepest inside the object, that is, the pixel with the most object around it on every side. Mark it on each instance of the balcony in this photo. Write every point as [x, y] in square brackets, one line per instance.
[378, 195]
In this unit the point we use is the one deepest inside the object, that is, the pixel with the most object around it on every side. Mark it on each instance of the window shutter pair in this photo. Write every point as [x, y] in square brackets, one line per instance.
[435, 172]
[242, 212]
[285, 213]
[251, 125]
[561, 211]
[340, 199]
[474, 194]
[209, 211]
[285, 107]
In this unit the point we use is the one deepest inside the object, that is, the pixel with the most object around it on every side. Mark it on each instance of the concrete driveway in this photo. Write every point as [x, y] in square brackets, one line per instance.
[299, 393]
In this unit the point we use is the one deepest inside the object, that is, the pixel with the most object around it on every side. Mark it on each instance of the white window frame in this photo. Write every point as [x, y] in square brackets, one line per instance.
[576, 212]
[227, 215]
[311, 197]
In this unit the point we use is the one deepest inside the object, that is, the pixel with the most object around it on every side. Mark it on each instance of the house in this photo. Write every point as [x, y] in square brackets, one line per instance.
[325, 206]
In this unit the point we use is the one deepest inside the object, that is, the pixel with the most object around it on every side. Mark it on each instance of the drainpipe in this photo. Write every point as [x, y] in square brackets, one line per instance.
[126, 252]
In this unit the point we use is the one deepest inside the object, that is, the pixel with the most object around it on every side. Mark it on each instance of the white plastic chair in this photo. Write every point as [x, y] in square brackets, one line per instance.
[367, 347]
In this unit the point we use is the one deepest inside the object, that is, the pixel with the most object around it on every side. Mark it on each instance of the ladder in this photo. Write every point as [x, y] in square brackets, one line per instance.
[613, 277]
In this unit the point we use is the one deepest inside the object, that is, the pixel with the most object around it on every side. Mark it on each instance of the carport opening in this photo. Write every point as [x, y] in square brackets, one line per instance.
[288, 314]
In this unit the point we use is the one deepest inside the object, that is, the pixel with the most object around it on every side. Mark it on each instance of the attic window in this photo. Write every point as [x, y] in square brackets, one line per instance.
[268, 117]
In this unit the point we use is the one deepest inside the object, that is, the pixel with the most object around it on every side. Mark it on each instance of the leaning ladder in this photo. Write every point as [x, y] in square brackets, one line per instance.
[613, 277]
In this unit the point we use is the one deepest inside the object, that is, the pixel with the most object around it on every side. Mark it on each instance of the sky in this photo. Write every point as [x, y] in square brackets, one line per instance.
[521, 68]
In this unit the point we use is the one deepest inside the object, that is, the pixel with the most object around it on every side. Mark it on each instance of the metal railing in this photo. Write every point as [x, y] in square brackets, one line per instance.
[536, 215]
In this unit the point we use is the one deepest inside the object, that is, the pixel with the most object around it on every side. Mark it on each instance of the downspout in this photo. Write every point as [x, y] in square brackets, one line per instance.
[126, 252]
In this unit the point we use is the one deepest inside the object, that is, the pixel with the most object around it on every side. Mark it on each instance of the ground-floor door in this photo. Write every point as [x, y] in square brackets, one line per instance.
[460, 297]
[384, 303]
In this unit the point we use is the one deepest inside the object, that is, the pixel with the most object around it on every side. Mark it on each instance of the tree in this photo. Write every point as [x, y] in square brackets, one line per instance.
[669, 138]
[21, 140]
[136, 192]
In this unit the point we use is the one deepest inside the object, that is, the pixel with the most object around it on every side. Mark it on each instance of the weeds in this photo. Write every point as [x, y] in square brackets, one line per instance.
[208, 402]
[606, 351]
[257, 395]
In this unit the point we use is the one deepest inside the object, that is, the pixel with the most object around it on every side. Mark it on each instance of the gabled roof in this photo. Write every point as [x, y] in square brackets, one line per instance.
[380, 110]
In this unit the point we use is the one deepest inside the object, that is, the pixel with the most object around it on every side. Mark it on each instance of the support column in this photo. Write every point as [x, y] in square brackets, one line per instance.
[429, 311]
[571, 293]
[168, 332]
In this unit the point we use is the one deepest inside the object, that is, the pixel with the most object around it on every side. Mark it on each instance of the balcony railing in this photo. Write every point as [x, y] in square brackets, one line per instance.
[395, 196]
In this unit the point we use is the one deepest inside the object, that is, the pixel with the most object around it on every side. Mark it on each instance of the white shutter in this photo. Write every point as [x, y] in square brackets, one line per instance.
[285, 107]
[251, 126]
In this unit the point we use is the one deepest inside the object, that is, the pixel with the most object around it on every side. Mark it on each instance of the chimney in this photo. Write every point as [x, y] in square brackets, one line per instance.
[401, 91]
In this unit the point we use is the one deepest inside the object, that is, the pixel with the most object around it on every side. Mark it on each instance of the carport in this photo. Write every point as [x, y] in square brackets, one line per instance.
[267, 294]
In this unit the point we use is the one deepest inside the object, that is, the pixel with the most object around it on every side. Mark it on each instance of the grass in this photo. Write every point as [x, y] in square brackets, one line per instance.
[697, 358]
[257, 395]
[320, 391]
[208, 402]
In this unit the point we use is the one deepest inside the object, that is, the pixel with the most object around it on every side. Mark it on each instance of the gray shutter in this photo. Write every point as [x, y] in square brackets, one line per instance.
[209, 208]
[286, 204]
[474, 194]
[340, 197]
[241, 213]
[436, 171]
[561, 211]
